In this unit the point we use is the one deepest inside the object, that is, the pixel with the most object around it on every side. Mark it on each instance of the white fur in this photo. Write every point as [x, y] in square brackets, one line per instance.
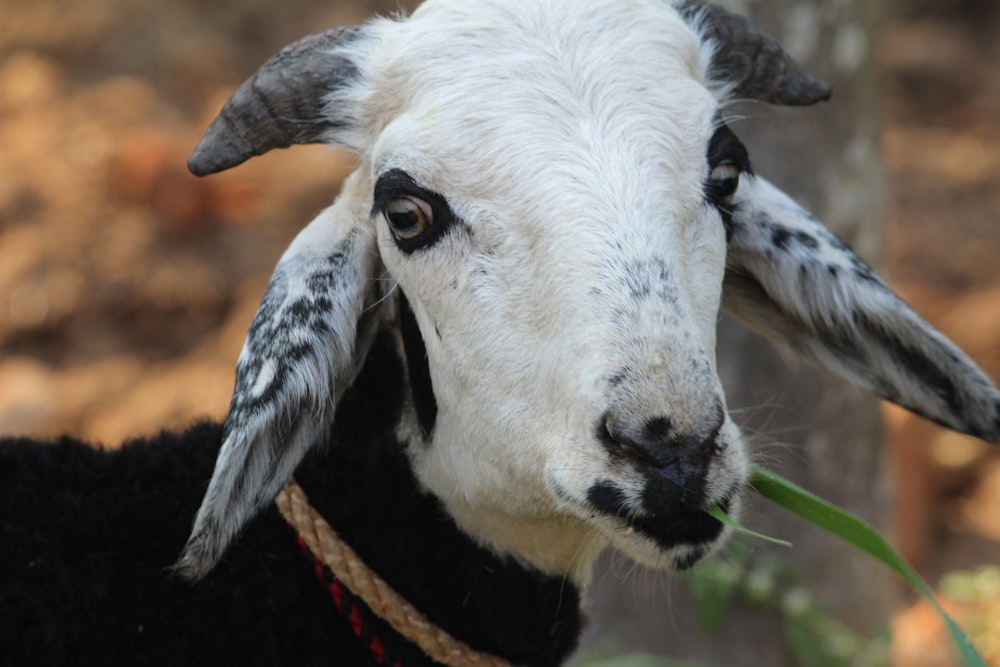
[571, 180]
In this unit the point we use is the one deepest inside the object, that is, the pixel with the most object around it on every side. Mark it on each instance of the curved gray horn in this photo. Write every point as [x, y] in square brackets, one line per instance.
[280, 105]
[750, 60]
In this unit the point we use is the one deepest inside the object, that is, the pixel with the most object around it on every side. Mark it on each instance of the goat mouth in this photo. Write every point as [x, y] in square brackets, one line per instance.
[689, 531]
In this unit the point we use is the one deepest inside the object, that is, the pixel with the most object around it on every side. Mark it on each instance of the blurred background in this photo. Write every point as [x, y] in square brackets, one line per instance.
[127, 285]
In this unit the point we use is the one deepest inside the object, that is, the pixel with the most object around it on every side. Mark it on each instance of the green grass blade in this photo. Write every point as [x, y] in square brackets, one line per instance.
[728, 521]
[861, 535]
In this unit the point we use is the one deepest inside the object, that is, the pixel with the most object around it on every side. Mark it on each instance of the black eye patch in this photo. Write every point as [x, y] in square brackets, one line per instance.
[726, 156]
[395, 185]
[725, 146]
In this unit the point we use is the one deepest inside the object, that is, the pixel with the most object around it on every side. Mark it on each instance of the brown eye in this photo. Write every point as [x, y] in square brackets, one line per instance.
[408, 217]
[724, 179]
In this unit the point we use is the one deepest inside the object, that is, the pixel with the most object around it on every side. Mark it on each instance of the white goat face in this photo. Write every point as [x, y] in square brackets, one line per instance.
[568, 294]
[551, 187]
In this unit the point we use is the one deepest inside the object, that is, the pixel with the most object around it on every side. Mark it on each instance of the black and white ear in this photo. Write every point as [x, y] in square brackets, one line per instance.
[792, 279]
[307, 342]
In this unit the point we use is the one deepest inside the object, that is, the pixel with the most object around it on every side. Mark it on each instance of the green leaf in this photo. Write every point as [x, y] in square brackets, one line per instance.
[717, 513]
[861, 535]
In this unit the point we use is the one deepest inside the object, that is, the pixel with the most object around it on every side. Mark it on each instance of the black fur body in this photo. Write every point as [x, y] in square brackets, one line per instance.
[88, 537]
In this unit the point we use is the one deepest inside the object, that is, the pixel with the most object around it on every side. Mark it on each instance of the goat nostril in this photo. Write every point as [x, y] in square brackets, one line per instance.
[647, 446]
[657, 429]
[619, 444]
[657, 444]
[612, 441]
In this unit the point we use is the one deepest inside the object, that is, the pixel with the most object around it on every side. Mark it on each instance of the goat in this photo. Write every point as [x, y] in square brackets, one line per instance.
[490, 359]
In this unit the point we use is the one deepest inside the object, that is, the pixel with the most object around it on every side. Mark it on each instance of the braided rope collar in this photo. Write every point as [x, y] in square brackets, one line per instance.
[328, 548]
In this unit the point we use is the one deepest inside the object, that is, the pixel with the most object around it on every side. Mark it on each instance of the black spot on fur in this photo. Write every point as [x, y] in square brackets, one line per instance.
[650, 278]
[841, 339]
[689, 560]
[617, 379]
[608, 498]
[783, 238]
[421, 386]
[275, 336]
[666, 524]
[859, 267]
[863, 272]
[913, 361]
[854, 346]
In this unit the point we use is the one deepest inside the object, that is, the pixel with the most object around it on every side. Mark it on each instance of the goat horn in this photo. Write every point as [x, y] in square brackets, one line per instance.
[752, 60]
[280, 105]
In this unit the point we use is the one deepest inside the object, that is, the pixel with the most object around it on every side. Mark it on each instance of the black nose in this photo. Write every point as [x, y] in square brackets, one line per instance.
[658, 448]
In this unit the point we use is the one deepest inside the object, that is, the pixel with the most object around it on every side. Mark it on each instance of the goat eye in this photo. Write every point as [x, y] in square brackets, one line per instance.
[408, 217]
[724, 179]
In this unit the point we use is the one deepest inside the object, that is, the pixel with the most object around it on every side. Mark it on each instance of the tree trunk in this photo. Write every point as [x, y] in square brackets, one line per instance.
[811, 428]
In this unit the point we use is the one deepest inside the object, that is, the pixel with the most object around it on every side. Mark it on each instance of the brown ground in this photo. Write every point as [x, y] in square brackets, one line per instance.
[126, 285]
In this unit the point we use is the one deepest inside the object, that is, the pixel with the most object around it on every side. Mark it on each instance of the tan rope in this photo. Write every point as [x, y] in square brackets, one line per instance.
[345, 564]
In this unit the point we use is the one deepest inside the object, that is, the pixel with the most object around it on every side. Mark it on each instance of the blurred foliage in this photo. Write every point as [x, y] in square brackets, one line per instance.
[978, 593]
[813, 636]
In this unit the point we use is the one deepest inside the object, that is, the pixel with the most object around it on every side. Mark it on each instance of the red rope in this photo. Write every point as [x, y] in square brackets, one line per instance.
[342, 599]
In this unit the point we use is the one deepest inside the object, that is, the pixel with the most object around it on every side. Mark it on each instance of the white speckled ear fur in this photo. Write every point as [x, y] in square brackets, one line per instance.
[304, 348]
[791, 278]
